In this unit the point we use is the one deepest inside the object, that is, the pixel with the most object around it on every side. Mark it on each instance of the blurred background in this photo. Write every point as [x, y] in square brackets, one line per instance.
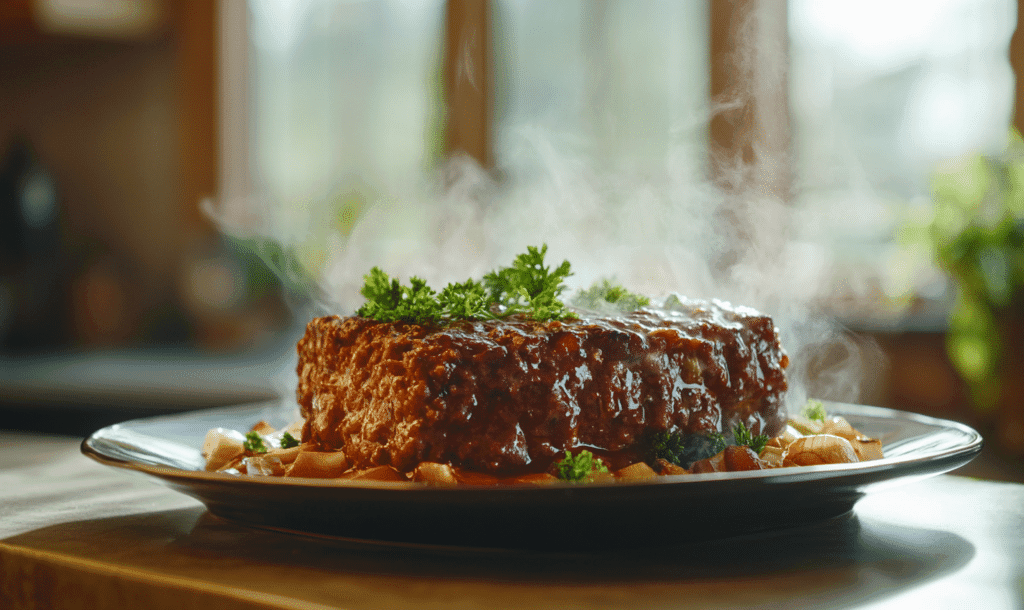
[174, 176]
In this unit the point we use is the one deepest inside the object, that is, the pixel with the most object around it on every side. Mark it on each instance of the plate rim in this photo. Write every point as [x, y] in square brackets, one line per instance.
[965, 451]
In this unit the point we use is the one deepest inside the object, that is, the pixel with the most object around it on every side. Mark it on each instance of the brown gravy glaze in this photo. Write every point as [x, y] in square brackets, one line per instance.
[509, 397]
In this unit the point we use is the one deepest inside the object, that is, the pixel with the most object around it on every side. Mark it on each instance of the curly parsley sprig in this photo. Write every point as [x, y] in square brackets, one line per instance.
[254, 443]
[605, 294]
[665, 445]
[527, 287]
[288, 441]
[580, 467]
[814, 410]
[387, 300]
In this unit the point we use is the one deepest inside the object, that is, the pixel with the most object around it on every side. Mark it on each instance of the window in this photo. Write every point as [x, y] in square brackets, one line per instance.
[627, 80]
[883, 93]
[599, 133]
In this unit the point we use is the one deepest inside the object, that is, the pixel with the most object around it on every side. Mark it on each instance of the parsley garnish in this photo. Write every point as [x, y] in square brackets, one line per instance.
[667, 445]
[603, 293]
[744, 437]
[814, 410]
[577, 468]
[684, 450]
[389, 301]
[465, 301]
[254, 443]
[527, 287]
[288, 441]
[718, 442]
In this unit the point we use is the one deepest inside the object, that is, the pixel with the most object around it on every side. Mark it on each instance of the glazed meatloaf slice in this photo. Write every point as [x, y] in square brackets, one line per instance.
[509, 397]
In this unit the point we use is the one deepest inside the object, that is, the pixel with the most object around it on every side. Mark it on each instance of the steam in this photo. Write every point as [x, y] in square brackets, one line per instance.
[657, 229]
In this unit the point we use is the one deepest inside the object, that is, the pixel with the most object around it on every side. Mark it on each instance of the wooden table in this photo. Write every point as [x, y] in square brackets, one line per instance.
[75, 534]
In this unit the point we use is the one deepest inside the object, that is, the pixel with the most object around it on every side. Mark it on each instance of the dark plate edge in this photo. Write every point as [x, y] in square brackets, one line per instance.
[932, 464]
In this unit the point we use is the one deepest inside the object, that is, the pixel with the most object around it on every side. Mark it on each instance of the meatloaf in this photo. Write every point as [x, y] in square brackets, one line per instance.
[508, 397]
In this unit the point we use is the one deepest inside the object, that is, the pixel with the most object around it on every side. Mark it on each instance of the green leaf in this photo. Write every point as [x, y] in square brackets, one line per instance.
[288, 441]
[978, 239]
[717, 442]
[530, 287]
[387, 300]
[604, 293]
[527, 287]
[254, 443]
[668, 446]
[744, 437]
[465, 301]
[814, 410]
[580, 467]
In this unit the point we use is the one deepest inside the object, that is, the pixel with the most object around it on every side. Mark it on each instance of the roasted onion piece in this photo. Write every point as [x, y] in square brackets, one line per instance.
[819, 449]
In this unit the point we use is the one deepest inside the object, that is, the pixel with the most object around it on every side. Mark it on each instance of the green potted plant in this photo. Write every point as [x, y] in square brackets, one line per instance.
[977, 235]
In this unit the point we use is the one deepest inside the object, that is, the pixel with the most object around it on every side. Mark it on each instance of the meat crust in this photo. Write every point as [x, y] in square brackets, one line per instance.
[509, 397]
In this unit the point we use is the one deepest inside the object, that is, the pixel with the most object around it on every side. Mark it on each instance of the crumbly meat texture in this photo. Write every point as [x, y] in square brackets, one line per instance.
[509, 397]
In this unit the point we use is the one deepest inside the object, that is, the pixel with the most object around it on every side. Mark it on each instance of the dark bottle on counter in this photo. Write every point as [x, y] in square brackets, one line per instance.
[32, 292]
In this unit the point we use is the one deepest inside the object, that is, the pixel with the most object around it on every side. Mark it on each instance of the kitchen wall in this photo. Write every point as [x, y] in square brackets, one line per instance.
[124, 122]
[101, 117]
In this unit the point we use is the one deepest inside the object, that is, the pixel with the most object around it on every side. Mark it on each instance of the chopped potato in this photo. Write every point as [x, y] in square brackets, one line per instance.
[318, 464]
[740, 458]
[867, 448]
[433, 473]
[221, 447]
[262, 428]
[772, 455]
[264, 465]
[665, 467]
[635, 472]
[287, 456]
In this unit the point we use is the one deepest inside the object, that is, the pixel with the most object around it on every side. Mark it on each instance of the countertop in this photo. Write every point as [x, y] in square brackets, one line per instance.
[77, 392]
[77, 534]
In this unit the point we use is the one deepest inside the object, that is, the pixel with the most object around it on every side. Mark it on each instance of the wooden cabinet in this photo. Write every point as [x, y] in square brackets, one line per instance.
[49, 20]
[118, 101]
